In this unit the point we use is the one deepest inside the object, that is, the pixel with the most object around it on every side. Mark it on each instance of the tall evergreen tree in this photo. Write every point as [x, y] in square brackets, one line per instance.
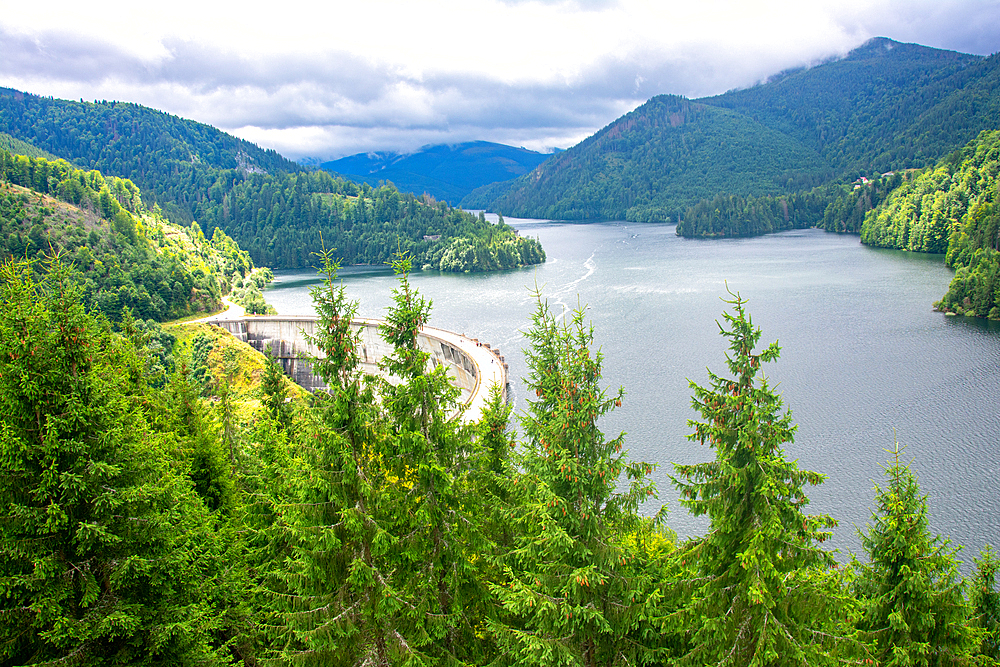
[435, 458]
[338, 587]
[568, 594]
[985, 602]
[914, 612]
[759, 592]
[275, 392]
[103, 549]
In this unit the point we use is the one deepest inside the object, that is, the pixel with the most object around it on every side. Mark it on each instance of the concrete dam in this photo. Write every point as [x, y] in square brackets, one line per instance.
[473, 365]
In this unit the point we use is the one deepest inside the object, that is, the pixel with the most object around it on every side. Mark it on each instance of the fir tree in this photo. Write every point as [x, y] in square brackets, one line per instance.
[568, 593]
[103, 549]
[985, 602]
[914, 612]
[275, 392]
[495, 442]
[434, 458]
[337, 586]
[759, 593]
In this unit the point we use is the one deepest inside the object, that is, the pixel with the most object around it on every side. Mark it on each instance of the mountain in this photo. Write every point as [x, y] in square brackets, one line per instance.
[447, 172]
[880, 107]
[278, 211]
[168, 157]
[885, 106]
[653, 162]
[126, 255]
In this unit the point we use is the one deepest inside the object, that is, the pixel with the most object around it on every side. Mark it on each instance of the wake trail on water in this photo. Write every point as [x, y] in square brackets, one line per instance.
[557, 298]
[563, 291]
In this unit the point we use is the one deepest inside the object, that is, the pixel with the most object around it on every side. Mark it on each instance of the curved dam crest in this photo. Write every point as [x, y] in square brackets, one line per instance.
[474, 366]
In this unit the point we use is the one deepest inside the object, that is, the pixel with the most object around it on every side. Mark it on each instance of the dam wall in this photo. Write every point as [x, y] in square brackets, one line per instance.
[473, 365]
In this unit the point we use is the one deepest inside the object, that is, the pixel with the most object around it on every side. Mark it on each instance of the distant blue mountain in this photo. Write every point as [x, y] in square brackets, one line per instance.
[447, 172]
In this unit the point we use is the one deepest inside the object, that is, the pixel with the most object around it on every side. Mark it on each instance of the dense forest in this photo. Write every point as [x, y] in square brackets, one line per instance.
[732, 215]
[654, 162]
[884, 107]
[834, 207]
[951, 208]
[18, 147]
[281, 222]
[153, 520]
[127, 255]
[273, 208]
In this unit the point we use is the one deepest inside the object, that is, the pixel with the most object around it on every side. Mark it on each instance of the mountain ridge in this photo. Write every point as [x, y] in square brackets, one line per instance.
[884, 106]
[447, 172]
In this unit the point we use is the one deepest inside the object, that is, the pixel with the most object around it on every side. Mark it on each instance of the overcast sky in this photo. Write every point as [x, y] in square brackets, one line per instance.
[329, 79]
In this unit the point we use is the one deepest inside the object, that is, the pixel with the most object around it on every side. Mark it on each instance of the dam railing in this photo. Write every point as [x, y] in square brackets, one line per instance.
[473, 365]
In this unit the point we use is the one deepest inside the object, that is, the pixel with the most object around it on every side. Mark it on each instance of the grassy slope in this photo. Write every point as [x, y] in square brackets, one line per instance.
[245, 366]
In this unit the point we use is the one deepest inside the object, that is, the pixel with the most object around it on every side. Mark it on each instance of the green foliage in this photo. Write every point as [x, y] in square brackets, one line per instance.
[884, 107]
[655, 162]
[103, 547]
[914, 612]
[833, 207]
[984, 602]
[503, 250]
[732, 215]
[879, 108]
[381, 570]
[951, 208]
[433, 455]
[494, 433]
[201, 374]
[571, 594]
[275, 392]
[918, 216]
[849, 204]
[146, 524]
[246, 291]
[492, 472]
[128, 256]
[159, 151]
[18, 147]
[273, 208]
[760, 589]
[283, 221]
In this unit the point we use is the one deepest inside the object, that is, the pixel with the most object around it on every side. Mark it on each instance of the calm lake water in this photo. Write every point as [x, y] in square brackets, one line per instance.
[863, 355]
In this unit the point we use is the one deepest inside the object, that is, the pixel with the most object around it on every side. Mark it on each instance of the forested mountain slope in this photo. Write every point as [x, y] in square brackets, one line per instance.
[836, 207]
[656, 161]
[169, 157]
[127, 256]
[275, 209]
[283, 220]
[951, 208]
[444, 171]
[856, 111]
[886, 106]
[18, 147]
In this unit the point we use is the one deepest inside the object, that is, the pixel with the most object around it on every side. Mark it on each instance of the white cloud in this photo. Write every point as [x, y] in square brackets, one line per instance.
[327, 79]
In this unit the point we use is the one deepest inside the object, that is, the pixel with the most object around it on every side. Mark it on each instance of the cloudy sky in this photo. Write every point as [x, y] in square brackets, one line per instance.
[324, 80]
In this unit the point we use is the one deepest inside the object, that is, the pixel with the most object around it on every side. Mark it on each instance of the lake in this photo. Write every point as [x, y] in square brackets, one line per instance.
[864, 358]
